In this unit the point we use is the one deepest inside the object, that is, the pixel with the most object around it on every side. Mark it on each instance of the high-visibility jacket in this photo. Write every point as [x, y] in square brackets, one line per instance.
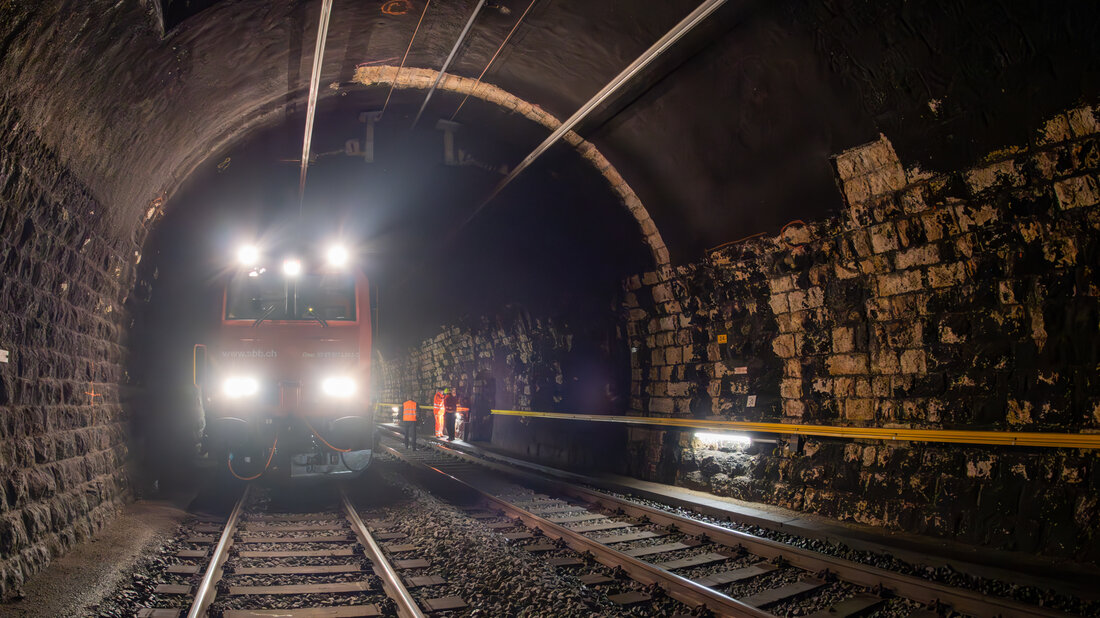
[408, 411]
[437, 407]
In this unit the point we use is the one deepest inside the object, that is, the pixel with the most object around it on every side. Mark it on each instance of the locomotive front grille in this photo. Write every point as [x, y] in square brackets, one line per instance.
[290, 393]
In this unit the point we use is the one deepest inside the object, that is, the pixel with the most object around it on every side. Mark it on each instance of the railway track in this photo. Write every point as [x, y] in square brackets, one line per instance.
[702, 565]
[291, 565]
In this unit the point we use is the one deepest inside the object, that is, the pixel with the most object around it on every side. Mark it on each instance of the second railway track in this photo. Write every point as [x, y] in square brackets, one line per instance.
[700, 564]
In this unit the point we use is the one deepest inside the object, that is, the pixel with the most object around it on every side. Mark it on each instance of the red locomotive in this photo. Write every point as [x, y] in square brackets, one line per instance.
[284, 382]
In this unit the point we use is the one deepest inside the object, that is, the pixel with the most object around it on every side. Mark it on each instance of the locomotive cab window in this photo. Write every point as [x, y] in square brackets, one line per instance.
[329, 296]
[269, 295]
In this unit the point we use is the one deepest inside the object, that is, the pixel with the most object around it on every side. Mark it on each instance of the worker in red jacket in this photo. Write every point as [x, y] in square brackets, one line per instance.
[450, 408]
[437, 408]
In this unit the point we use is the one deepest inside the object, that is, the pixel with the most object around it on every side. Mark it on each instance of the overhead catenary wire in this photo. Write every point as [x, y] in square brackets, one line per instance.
[494, 58]
[393, 84]
[447, 62]
[662, 45]
[311, 106]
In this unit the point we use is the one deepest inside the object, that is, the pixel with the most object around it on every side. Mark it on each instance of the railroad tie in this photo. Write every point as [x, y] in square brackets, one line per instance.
[793, 590]
[638, 552]
[346, 611]
[333, 588]
[693, 561]
[443, 604]
[629, 598]
[629, 536]
[736, 575]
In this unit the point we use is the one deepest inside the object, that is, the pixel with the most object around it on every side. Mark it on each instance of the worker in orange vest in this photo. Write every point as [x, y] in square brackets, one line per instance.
[408, 419]
[437, 407]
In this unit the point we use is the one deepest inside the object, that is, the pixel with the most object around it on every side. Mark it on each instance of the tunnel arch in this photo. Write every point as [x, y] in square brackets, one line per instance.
[417, 78]
[411, 78]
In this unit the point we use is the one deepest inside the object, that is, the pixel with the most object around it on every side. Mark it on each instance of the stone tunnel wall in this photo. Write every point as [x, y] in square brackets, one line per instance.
[63, 282]
[519, 362]
[966, 300]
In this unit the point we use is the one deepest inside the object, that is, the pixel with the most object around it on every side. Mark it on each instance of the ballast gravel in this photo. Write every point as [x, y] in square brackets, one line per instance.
[494, 576]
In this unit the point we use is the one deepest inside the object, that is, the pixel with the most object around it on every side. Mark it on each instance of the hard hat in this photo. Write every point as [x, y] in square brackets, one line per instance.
[446, 391]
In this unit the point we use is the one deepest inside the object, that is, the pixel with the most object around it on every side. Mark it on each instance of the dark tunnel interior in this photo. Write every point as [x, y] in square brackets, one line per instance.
[860, 237]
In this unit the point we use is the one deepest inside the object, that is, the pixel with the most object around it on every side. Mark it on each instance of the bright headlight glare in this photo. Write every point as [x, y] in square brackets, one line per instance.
[248, 255]
[340, 388]
[722, 438]
[337, 255]
[292, 267]
[238, 388]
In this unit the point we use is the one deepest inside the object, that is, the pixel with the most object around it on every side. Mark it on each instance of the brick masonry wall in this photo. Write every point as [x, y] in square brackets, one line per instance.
[965, 300]
[63, 284]
[519, 362]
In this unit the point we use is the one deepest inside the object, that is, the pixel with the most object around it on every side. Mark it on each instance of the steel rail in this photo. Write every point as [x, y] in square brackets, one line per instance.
[958, 436]
[391, 581]
[662, 45]
[912, 588]
[447, 63]
[206, 591]
[676, 586]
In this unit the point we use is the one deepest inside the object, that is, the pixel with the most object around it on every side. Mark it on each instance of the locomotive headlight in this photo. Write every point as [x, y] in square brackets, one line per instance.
[239, 388]
[292, 267]
[338, 387]
[337, 255]
[248, 255]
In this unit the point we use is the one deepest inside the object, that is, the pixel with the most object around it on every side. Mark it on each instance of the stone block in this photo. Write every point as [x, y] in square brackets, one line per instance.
[793, 408]
[662, 405]
[899, 283]
[914, 361]
[859, 409]
[790, 389]
[1055, 130]
[885, 362]
[1077, 192]
[847, 364]
[843, 339]
[999, 173]
[784, 346]
[917, 256]
[778, 303]
[946, 275]
[1083, 122]
[884, 238]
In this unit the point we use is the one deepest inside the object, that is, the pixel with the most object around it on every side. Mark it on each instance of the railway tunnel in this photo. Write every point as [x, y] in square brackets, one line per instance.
[835, 259]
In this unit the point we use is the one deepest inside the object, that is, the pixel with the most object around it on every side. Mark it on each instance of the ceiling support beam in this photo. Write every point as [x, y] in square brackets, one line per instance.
[662, 45]
[311, 108]
[447, 63]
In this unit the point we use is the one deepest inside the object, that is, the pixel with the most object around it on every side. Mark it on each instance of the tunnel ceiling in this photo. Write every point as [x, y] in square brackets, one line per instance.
[727, 136]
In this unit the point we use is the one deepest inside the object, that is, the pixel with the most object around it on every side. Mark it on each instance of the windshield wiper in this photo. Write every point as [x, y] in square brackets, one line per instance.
[267, 312]
[313, 314]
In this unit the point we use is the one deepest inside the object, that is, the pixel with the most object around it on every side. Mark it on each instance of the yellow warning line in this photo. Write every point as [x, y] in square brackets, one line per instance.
[1004, 438]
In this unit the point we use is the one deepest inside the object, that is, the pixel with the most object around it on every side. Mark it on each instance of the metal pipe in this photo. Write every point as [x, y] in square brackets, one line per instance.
[994, 438]
[204, 595]
[662, 45]
[311, 106]
[406, 604]
[447, 63]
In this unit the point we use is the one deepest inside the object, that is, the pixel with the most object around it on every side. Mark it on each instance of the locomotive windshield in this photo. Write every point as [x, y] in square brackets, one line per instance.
[271, 296]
